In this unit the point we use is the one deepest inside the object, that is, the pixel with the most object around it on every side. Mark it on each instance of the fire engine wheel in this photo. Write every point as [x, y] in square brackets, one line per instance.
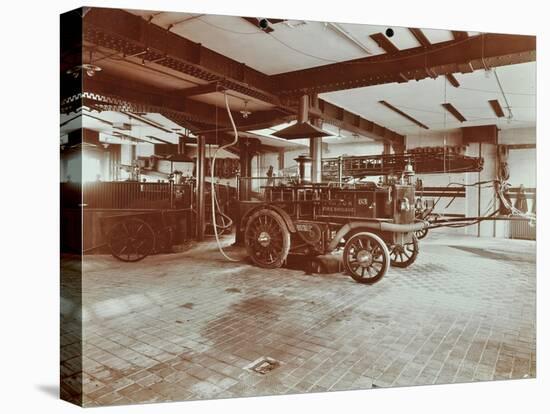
[420, 234]
[131, 240]
[404, 255]
[267, 239]
[366, 258]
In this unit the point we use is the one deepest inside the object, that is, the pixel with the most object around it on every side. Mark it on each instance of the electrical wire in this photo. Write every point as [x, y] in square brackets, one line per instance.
[479, 183]
[384, 61]
[229, 30]
[424, 53]
[302, 52]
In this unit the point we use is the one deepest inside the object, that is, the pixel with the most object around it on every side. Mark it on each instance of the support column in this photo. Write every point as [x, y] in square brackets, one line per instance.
[481, 141]
[182, 145]
[133, 153]
[246, 152]
[201, 148]
[398, 147]
[281, 159]
[316, 147]
[316, 154]
[246, 155]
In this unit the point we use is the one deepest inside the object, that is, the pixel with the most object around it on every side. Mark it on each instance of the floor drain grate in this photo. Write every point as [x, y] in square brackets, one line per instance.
[263, 365]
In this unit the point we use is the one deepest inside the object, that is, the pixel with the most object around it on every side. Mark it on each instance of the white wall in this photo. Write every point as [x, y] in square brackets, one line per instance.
[522, 164]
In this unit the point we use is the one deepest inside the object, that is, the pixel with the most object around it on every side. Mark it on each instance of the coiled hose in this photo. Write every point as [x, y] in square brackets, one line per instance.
[213, 187]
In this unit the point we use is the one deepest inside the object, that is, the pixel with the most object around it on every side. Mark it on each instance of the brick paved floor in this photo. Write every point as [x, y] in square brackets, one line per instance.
[186, 325]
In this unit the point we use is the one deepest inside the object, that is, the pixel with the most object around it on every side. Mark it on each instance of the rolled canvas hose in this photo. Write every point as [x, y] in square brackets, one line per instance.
[213, 187]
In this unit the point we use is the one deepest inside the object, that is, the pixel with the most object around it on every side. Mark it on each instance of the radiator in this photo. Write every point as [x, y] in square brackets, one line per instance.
[522, 230]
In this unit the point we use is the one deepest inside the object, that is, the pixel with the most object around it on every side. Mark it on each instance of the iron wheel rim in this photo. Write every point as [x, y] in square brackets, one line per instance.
[131, 240]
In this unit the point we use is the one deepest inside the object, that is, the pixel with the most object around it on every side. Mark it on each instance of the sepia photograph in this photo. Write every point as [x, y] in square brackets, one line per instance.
[261, 206]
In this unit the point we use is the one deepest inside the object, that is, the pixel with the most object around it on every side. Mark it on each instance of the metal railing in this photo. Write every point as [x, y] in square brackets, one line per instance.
[127, 195]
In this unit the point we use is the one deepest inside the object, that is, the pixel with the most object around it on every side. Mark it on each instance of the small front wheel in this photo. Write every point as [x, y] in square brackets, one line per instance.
[366, 257]
[404, 255]
[420, 234]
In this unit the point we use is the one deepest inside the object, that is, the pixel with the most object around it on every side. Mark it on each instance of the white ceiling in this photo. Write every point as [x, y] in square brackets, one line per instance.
[422, 100]
[295, 45]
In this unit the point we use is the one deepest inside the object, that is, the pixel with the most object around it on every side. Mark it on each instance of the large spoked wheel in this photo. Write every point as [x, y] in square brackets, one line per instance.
[131, 240]
[420, 234]
[366, 257]
[404, 255]
[267, 239]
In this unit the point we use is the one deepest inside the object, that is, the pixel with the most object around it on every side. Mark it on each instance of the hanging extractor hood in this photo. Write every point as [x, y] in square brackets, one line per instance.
[302, 129]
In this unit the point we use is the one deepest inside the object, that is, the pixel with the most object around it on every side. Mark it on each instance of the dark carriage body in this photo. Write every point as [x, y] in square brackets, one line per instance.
[315, 219]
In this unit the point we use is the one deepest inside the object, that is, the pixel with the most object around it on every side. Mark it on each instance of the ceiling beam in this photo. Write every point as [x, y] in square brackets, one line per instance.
[497, 109]
[480, 133]
[384, 43]
[130, 34]
[124, 95]
[452, 80]
[420, 37]
[129, 96]
[459, 35]
[477, 52]
[453, 111]
[349, 121]
[148, 122]
[424, 41]
[200, 90]
[403, 114]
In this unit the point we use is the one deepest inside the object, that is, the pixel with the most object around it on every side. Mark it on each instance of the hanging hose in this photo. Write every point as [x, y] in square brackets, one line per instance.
[213, 187]
[501, 188]
[479, 183]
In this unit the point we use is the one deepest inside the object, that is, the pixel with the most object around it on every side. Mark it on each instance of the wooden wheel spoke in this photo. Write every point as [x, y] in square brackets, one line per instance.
[374, 267]
[405, 254]
[132, 239]
[374, 254]
[270, 227]
[373, 274]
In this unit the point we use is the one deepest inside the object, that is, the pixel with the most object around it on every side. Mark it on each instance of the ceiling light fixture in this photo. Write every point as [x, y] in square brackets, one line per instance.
[86, 67]
[245, 113]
